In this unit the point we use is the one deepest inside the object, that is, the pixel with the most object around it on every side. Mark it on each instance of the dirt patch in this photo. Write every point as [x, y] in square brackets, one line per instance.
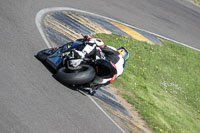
[131, 109]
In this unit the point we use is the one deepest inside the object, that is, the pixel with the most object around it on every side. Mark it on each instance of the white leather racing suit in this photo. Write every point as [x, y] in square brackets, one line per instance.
[104, 54]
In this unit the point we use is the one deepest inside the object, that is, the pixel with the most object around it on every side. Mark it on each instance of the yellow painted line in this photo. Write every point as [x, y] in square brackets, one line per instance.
[128, 127]
[66, 31]
[52, 24]
[131, 32]
[122, 116]
[71, 34]
[87, 23]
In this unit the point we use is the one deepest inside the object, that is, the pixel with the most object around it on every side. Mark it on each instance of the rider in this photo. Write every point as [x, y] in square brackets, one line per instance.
[110, 62]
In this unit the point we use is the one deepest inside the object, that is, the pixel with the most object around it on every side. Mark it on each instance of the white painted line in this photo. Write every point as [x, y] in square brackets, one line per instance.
[44, 11]
[38, 21]
[105, 113]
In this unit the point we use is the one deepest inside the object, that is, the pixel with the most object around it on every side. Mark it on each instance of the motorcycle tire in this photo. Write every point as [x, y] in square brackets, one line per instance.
[83, 75]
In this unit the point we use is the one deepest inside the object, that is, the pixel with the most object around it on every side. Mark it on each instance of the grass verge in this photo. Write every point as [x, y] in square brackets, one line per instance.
[163, 83]
[196, 1]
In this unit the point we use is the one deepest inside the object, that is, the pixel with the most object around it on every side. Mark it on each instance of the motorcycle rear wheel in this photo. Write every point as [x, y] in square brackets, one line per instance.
[84, 74]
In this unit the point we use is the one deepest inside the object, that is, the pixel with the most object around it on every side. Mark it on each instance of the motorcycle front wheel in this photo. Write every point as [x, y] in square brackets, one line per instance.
[84, 74]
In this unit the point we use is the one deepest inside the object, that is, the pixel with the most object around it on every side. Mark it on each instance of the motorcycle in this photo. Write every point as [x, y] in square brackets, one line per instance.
[71, 69]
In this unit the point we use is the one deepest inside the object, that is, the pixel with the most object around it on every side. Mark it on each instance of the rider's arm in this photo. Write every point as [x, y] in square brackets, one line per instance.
[91, 45]
[89, 49]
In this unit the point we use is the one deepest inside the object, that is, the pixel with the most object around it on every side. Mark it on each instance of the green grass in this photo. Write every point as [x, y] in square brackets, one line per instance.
[196, 1]
[163, 83]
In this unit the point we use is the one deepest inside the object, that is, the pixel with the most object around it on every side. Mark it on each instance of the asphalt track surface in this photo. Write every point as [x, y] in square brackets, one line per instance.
[31, 100]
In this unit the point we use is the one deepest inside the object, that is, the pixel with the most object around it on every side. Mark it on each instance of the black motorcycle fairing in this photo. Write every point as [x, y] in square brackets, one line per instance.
[105, 69]
[42, 55]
